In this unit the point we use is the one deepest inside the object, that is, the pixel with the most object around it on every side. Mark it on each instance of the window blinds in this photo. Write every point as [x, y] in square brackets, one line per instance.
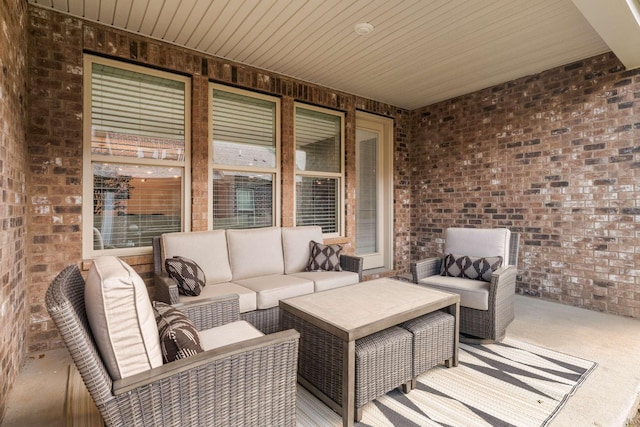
[242, 200]
[319, 169]
[244, 130]
[136, 115]
[317, 202]
[318, 141]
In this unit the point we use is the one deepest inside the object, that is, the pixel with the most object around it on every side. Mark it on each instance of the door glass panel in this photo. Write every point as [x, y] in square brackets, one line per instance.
[367, 193]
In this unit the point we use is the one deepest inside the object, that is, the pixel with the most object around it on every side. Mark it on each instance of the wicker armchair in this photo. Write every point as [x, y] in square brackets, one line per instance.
[478, 325]
[252, 382]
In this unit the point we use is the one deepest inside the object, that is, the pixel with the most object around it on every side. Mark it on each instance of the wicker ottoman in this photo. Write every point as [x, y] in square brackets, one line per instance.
[433, 341]
[383, 362]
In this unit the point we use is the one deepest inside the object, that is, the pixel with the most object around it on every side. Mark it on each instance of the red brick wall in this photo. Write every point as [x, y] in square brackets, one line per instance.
[554, 156]
[55, 140]
[13, 186]
[55, 161]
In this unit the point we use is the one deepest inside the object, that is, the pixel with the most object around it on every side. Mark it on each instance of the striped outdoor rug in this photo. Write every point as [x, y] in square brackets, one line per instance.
[507, 384]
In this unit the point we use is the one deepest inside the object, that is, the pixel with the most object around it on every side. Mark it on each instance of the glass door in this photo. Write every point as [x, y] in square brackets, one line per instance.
[374, 186]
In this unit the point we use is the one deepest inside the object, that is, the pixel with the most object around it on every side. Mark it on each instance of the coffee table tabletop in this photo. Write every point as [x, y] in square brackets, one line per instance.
[355, 311]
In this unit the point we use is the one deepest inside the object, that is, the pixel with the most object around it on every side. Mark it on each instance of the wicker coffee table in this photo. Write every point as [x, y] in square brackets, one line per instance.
[330, 322]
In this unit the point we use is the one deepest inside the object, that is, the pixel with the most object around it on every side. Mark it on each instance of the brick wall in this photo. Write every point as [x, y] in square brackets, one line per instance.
[554, 156]
[55, 161]
[55, 141]
[13, 183]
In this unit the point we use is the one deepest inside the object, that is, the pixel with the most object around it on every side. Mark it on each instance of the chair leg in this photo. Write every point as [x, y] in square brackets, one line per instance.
[471, 340]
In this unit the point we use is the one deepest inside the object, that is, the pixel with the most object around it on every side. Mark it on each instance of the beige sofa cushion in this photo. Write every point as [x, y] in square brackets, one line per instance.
[228, 334]
[271, 289]
[121, 318]
[207, 248]
[255, 252]
[325, 280]
[478, 242]
[473, 293]
[247, 297]
[295, 246]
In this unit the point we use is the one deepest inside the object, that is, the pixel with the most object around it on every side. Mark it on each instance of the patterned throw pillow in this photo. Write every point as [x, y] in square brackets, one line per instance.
[179, 338]
[324, 257]
[468, 267]
[187, 274]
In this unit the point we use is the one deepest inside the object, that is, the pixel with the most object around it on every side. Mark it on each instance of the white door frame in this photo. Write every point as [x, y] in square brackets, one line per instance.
[383, 126]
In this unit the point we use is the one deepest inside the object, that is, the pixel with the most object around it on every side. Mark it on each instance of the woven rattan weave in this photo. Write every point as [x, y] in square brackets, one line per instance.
[251, 383]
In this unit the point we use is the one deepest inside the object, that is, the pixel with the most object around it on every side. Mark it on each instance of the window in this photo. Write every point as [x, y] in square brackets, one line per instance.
[245, 158]
[319, 135]
[135, 156]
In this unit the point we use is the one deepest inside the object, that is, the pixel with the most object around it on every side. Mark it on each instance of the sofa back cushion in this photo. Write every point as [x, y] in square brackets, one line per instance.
[121, 318]
[255, 252]
[207, 248]
[478, 242]
[295, 246]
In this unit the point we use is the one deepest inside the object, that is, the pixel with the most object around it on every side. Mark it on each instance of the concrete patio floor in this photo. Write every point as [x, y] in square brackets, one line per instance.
[608, 398]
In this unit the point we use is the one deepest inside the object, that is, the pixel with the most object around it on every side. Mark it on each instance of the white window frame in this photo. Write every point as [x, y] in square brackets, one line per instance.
[88, 251]
[339, 175]
[275, 171]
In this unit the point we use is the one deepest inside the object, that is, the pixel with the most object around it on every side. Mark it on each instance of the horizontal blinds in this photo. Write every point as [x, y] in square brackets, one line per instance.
[135, 113]
[244, 130]
[244, 134]
[317, 202]
[366, 198]
[242, 200]
[132, 204]
[317, 141]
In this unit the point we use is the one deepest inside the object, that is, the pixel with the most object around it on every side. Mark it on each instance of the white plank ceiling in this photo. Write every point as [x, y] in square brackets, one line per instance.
[419, 52]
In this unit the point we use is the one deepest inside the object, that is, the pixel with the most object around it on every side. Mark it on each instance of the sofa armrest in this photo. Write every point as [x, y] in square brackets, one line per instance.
[227, 383]
[156, 244]
[353, 264]
[166, 288]
[425, 268]
[209, 313]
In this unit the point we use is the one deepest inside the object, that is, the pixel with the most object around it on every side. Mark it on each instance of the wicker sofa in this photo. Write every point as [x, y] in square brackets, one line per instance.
[245, 381]
[260, 265]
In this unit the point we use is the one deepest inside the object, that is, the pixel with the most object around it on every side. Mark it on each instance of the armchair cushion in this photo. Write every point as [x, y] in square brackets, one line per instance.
[469, 267]
[179, 338]
[121, 318]
[478, 242]
[230, 333]
[187, 273]
[473, 293]
[324, 257]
